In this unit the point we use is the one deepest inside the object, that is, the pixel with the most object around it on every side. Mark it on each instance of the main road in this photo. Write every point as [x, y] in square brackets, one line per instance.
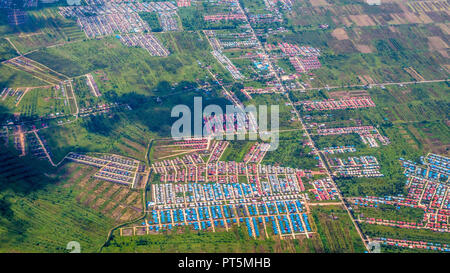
[315, 150]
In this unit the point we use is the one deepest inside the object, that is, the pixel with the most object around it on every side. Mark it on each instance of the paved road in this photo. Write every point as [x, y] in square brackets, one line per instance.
[277, 77]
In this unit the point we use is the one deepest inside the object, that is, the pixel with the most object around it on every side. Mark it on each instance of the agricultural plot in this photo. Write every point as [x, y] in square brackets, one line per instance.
[35, 148]
[49, 102]
[92, 132]
[184, 64]
[385, 58]
[335, 229]
[31, 103]
[294, 153]
[418, 111]
[66, 218]
[87, 92]
[13, 78]
[118, 203]
[46, 28]
[37, 70]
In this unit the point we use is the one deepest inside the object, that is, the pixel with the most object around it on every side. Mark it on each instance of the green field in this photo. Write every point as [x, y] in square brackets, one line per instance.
[236, 150]
[40, 214]
[292, 153]
[336, 231]
[390, 212]
[6, 50]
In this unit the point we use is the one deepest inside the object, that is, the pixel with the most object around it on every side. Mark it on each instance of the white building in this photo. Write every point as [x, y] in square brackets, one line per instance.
[373, 2]
[48, 1]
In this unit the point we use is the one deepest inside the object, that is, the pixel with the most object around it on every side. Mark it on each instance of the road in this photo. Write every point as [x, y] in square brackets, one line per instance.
[316, 151]
[15, 48]
[235, 101]
[45, 149]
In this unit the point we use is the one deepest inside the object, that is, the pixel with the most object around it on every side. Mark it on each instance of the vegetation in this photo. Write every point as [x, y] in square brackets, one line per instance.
[336, 231]
[39, 213]
[376, 231]
[390, 212]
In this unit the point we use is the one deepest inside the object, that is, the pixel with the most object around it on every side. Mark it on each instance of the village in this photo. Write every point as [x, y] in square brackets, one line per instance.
[427, 189]
[194, 190]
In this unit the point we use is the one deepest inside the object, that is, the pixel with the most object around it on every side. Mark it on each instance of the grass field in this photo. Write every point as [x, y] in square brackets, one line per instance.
[292, 153]
[113, 133]
[6, 50]
[236, 150]
[14, 78]
[44, 27]
[389, 212]
[336, 231]
[120, 62]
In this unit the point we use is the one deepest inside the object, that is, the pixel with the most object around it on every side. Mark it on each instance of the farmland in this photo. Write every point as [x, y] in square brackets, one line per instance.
[23, 226]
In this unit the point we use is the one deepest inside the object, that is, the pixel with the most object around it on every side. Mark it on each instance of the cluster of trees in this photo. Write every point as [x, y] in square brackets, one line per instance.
[193, 19]
[291, 154]
[152, 20]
